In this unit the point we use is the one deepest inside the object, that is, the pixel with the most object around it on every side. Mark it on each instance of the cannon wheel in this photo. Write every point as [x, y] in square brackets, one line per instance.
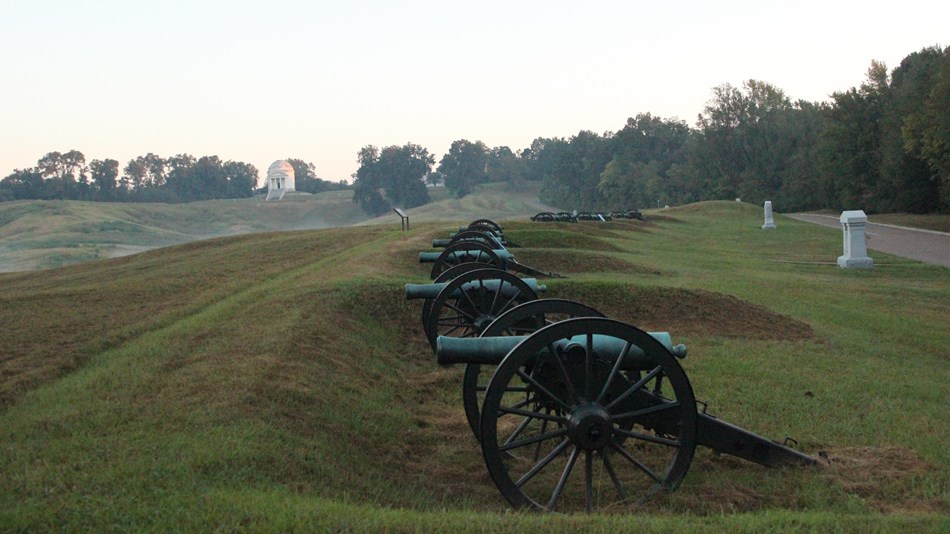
[479, 236]
[521, 320]
[465, 311]
[468, 252]
[489, 223]
[448, 275]
[545, 411]
[544, 216]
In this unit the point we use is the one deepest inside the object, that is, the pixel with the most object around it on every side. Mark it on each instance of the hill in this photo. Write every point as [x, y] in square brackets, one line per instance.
[496, 201]
[47, 234]
[281, 382]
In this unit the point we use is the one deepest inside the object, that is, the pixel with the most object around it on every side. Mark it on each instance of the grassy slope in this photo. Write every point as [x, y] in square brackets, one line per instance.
[498, 202]
[46, 234]
[281, 382]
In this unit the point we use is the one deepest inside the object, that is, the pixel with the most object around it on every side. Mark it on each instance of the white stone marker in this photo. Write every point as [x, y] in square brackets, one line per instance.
[769, 223]
[855, 249]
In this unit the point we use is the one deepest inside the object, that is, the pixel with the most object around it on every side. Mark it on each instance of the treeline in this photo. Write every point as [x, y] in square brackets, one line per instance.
[881, 147]
[149, 178]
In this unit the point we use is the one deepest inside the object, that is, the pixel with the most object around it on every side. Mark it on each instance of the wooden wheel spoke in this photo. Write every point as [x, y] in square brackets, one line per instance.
[636, 462]
[563, 480]
[534, 383]
[534, 439]
[460, 311]
[613, 476]
[564, 374]
[639, 384]
[543, 463]
[535, 415]
[613, 371]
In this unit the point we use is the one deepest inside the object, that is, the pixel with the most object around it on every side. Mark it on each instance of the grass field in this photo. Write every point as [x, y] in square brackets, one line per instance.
[280, 381]
[47, 234]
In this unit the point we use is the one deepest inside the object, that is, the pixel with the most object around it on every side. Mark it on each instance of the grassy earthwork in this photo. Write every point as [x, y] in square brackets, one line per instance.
[280, 381]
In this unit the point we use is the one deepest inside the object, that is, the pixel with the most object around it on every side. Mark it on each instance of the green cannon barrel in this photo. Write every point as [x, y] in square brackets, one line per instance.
[492, 350]
[431, 257]
[431, 291]
[442, 243]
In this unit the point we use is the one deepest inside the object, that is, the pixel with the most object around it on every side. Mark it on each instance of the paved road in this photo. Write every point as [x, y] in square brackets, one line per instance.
[923, 245]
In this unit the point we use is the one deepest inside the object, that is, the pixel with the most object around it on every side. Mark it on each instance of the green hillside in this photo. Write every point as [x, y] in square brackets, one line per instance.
[281, 382]
[47, 234]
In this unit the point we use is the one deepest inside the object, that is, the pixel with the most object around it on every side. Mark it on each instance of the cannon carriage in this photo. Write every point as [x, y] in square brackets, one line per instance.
[573, 410]
[480, 242]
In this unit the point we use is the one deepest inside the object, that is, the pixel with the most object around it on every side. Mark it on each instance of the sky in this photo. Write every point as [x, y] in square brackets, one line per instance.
[315, 80]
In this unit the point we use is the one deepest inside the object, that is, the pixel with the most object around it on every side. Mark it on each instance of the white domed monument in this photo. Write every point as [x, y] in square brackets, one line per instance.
[280, 180]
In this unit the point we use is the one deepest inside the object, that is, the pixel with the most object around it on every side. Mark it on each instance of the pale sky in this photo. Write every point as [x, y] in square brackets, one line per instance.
[316, 80]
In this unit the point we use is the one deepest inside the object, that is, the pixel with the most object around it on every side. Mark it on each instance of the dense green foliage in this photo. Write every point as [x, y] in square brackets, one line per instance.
[392, 177]
[149, 178]
[882, 147]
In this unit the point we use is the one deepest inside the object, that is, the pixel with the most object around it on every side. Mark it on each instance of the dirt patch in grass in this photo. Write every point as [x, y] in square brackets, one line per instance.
[684, 311]
[576, 262]
[883, 477]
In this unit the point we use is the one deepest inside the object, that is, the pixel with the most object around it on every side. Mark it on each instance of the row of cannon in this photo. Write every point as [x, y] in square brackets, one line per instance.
[573, 410]
[566, 216]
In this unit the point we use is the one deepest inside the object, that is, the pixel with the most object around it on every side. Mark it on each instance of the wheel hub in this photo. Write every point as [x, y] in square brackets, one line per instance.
[589, 426]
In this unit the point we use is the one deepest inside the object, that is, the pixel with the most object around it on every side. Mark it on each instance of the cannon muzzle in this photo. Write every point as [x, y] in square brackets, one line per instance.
[492, 350]
[431, 291]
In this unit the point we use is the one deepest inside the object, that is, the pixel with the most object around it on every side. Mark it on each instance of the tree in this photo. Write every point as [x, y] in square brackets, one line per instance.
[306, 179]
[241, 179]
[64, 171]
[23, 184]
[926, 130]
[644, 151]
[849, 149]
[503, 166]
[146, 171]
[104, 174]
[463, 166]
[577, 171]
[396, 170]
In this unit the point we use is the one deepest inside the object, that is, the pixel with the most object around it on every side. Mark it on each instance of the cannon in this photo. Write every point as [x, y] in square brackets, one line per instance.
[488, 223]
[488, 238]
[465, 305]
[627, 214]
[478, 247]
[465, 252]
[588, 411]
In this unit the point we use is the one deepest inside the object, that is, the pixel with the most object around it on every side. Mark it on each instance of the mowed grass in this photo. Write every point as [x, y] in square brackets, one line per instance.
[277, 382]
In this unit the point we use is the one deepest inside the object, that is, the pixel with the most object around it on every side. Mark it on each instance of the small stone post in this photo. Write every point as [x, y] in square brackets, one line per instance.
[855, 255]
[769, 223]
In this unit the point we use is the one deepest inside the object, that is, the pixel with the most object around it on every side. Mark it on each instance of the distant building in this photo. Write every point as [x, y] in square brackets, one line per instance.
[280, 180]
